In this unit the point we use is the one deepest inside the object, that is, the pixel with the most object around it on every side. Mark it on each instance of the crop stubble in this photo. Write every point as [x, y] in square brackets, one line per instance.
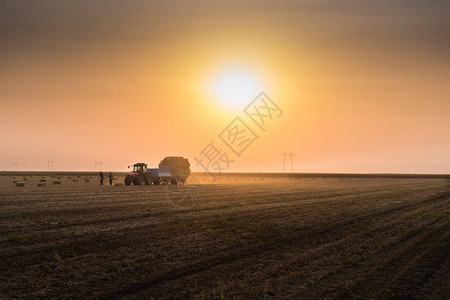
[241, 237]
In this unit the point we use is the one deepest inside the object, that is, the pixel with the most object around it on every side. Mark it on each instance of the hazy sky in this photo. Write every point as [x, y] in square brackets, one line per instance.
[363, 85]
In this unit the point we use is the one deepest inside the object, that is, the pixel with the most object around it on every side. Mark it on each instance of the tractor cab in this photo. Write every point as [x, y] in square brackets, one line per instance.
[140, 168]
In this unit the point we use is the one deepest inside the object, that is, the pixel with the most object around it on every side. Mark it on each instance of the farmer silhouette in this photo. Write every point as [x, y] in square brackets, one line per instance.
[110, 178]
[101, 177]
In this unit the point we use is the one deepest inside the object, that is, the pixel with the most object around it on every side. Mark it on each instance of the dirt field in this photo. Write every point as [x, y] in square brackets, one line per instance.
[241, 237]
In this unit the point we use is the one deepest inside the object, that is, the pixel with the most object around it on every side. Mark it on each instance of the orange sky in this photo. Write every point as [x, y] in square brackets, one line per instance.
[363, 86]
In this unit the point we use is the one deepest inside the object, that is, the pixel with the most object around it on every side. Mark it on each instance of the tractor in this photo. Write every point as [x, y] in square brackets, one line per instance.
[172, 169]
[139, 175]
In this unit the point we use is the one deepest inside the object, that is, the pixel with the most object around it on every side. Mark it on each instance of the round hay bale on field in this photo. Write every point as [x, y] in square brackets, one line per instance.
[25, 179]
[69, 177]
[57, 182]
[41, 184]
[86, 180]
[20, 184]
[42, 180]
[75, 180]
[118, 184]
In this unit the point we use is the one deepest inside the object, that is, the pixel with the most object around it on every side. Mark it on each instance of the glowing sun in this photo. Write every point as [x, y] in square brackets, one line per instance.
[235, 88]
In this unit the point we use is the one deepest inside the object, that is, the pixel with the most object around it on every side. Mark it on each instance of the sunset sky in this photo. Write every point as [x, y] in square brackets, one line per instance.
[364, 86]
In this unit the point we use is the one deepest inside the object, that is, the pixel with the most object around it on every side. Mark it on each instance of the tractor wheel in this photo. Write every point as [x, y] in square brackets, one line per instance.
[139, 180]
[128, 180]
[148, 179]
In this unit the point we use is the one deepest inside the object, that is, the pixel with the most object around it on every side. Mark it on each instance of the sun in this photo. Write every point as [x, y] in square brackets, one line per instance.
[235, 88]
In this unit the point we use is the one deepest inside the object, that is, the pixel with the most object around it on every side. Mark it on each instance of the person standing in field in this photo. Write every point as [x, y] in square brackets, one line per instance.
[182, 179]
[101, 177]
[110, 178]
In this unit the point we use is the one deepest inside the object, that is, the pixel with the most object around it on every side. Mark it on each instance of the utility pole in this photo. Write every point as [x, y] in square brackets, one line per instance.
[98, 163]
[284, 161]
[14, 166]
[50, 165]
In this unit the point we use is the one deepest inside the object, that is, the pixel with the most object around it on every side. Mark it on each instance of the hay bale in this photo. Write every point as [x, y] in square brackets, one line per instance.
[42, 180]
[86, 180]
[69, 177]
[14, 181]
[118, 184]
[42, 184]
[75, 180]
[25, 179]
[20, 184]
[57, 182]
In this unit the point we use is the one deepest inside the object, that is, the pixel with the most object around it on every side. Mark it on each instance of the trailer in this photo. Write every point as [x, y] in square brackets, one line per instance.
[160, 175]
